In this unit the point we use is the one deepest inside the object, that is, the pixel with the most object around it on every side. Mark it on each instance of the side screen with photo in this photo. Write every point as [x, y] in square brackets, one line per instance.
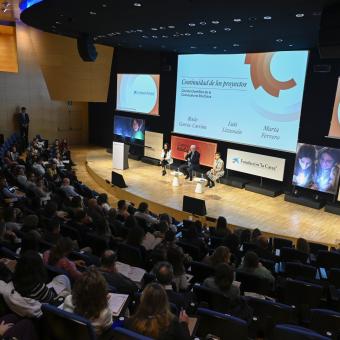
[317, 168]
[129, 127]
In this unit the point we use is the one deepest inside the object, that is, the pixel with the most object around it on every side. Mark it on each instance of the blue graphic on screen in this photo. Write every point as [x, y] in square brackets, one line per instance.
[317, 168]
[129, 127]
[252, 98]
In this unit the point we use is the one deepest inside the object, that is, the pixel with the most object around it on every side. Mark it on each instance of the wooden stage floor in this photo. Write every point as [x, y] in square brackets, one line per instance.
[240, 207]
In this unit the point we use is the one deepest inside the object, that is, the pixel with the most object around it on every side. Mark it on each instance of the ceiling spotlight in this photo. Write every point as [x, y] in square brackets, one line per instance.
[224, 50]
[161, 27]
[199, 33]
[192, 24]
[251, 26]
[214, 47]
[154, 36]
[237, 20]
[165, 36]
[92, 13]
[212, 31]
[279, 40]
[139, 31]
[299, 15]
[267, 17]
[58, 22]
[187, 34]
[215, 22]
[154, 29]
[145, 36]
[290, 45]
[228, 29]
[192, 47]
[203, 23]
[104, 5]
[171, 26]
[137, 4]
[236, 45]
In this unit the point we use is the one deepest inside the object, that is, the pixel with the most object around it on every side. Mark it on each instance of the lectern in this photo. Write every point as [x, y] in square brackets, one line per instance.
[120, 153]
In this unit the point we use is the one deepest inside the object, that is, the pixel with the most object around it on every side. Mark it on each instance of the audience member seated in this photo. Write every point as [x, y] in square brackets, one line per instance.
[154, 319]
[255, 234]
[221, 229]
[222, 282]
[122, 210]
[89, 299]
[302, 245]
[30, 241]
[57, 257]
[68, 189]
[143, 213]
[28, 289]
[13, 327]
[252, 265]
[264, 250]
[135, 238]
[108, 268]
[39, 168]
[220, 255]
[8, 238]
[8, 193]
[52, 231]
[192, 237]
[165, 275]
[103, 203]
[10, 217]
[169, 220]
[176, 258]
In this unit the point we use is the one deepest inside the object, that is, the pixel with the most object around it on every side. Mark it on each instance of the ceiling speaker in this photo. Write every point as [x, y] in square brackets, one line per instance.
[86, 48]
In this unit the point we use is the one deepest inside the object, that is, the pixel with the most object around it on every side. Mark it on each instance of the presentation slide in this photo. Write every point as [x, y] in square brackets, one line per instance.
[317, 168]
[138, 93]
[252, 98]
[129, 127]
[334, 130]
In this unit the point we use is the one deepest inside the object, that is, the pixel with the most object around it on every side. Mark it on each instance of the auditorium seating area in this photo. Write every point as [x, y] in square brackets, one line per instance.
[286, 290]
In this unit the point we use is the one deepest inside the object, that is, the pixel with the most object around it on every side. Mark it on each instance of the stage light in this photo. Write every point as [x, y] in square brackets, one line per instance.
[199, 33]
[92, 13]
[212, 31]
[171, 26]
[203, 23]
[299, 15]
[236, 45]
[215, 22]
[237, 20]
[137, 4]
[267, 17]
[279, 40]
[228, 29]
[154, 29]
[192, 24]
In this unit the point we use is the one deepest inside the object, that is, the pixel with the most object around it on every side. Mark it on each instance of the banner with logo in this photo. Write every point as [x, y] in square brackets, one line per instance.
[256, 164]
[180, 146]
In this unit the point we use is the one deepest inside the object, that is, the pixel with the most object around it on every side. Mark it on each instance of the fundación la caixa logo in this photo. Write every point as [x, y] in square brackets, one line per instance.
[236, 160]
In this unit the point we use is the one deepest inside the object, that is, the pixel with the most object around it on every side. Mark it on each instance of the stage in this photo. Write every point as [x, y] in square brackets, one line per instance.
[240, 207]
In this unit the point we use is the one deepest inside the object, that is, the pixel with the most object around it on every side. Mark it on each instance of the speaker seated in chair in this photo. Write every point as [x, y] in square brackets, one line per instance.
[192, 162]
[216, 172]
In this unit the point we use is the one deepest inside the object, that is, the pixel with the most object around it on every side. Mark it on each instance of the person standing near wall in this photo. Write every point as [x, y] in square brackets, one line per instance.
[24, 121]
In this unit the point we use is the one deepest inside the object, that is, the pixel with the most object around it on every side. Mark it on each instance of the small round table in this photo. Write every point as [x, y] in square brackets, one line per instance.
[199, 186]
[175, 181]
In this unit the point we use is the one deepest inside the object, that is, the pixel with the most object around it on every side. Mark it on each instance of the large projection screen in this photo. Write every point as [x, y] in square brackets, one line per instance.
[252, 98]
[138, 93]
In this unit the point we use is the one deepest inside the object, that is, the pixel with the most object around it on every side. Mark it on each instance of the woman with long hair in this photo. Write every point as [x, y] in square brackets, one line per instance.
[57, 256]
[221, 255]
[165, 158]
[153, 317]
[90, 299]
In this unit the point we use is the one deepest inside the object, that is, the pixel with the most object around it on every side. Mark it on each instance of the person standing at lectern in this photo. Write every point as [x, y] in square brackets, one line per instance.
[165, 158]
[193, 162]
[216, 171]
[24, 121]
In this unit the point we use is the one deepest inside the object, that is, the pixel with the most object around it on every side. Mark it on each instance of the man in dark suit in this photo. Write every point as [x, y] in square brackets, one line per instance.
[24, 121]
[193, 162]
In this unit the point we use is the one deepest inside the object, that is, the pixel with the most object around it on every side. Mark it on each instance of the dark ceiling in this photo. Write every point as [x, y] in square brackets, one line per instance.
[185, 26]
